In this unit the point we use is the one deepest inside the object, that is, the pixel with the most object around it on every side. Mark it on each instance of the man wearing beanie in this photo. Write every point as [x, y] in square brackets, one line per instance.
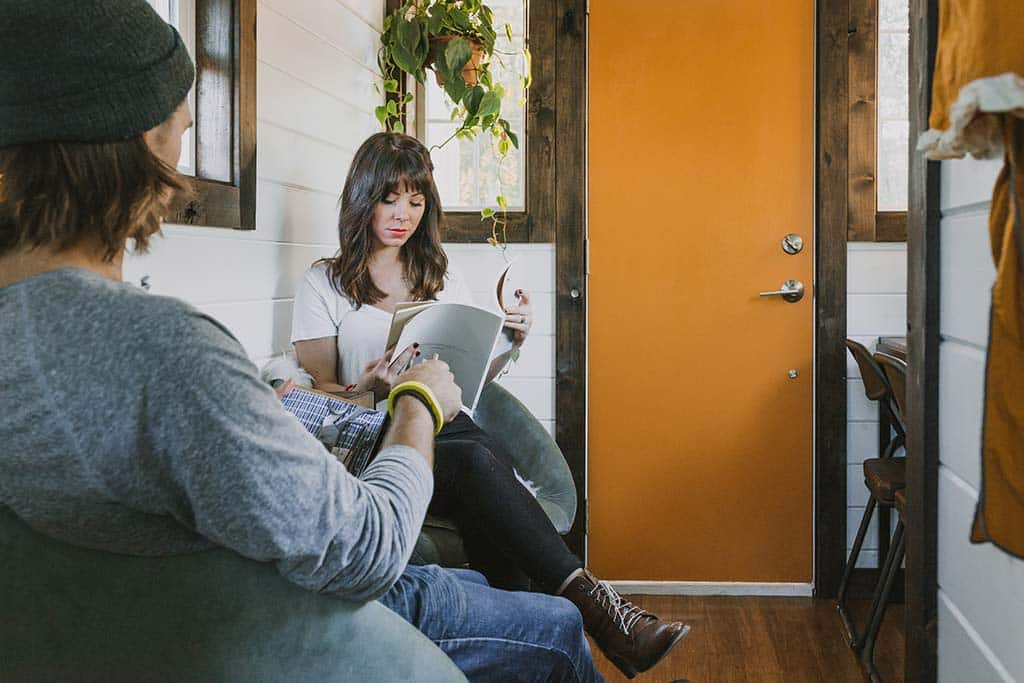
[142, 460]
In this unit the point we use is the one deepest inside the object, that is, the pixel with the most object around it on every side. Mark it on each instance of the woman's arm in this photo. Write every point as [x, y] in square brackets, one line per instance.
[319, 357]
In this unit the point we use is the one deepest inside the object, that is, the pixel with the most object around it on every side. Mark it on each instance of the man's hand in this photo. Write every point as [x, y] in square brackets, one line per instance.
[436, 375]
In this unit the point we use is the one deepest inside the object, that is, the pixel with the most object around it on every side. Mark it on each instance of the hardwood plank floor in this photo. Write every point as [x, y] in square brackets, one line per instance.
[764, 640]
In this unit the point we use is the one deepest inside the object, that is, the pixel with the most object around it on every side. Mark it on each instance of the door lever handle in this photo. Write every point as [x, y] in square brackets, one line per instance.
[792, 291]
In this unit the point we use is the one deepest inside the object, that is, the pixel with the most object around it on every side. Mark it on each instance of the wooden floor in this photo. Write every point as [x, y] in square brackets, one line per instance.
[752, 639]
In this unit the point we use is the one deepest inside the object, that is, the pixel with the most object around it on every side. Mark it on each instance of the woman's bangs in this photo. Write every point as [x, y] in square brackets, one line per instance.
[408, 172]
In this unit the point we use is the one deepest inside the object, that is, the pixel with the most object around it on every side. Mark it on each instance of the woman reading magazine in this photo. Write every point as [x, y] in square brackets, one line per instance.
[390, 252]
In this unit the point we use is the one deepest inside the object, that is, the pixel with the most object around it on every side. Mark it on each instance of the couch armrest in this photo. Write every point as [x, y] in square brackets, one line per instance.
[536, 455]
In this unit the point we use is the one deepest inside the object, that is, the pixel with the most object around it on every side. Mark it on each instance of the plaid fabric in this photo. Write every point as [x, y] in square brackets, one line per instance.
[348, 431]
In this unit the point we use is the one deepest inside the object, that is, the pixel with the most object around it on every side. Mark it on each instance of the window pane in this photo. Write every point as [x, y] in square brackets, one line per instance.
[893, 104]
[468, 172]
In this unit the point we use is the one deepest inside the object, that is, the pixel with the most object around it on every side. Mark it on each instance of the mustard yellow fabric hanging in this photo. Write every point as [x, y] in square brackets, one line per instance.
[978, 108]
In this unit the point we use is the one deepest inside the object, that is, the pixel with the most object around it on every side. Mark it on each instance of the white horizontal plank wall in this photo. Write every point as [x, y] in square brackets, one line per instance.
[876, 306]
[531, 378]
[981, 589]
[316, 65]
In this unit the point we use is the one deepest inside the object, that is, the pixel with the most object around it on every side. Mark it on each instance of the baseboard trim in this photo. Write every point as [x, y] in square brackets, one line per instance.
[712, 588]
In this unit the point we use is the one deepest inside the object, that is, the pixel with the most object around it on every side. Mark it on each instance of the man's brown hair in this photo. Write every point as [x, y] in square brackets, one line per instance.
[54, 195]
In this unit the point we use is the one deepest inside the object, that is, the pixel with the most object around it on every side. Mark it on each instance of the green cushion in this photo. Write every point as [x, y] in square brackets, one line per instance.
[71, 613]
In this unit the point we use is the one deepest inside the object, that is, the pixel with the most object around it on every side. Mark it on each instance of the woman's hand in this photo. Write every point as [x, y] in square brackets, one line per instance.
[379, 375]
[519, 318]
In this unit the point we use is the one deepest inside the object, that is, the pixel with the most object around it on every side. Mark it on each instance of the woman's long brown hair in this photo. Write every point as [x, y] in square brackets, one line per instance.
[383, 164]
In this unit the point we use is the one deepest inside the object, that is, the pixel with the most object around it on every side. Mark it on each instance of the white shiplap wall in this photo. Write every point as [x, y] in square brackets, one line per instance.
[981, 589]
[876, 305]
[316, 64]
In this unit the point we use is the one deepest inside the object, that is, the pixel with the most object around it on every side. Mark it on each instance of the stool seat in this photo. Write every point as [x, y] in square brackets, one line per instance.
[884, 477]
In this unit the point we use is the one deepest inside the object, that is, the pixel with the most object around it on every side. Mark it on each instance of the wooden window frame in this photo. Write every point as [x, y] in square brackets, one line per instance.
[225, 118]
[536, 222]
[864, 222]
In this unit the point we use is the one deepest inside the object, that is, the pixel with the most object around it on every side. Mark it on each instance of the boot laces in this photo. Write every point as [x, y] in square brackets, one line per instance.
[623, 612]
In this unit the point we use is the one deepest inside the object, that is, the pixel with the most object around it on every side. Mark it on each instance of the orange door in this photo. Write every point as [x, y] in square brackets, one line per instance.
[701, 161]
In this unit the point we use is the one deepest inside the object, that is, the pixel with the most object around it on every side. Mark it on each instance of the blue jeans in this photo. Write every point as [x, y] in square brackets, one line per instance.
[490, 634]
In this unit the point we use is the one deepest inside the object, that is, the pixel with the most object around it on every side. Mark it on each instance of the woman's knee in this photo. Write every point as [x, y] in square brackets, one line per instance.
[471, 459]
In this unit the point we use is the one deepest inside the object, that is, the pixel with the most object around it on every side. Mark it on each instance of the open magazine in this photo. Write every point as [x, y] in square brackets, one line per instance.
[464, 336]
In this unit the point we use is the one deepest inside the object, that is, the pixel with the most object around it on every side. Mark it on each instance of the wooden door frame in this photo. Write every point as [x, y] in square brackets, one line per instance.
[923, 281]
[922, 419]
[830, 221]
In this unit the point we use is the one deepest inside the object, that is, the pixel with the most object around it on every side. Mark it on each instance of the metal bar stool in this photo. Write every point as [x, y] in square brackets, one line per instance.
[883, 476]
[896, 372]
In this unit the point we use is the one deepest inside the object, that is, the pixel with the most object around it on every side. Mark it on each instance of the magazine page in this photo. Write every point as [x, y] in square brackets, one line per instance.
[462, 336]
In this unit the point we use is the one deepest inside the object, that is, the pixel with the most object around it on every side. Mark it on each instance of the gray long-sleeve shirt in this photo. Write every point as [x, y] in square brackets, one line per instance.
[134, 423]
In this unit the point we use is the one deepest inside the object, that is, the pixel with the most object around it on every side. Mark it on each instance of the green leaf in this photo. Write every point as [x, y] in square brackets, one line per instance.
[381, 113]
[502, 202]
[404, 59]
[490, 104]
[407, 98]
[503, 146]
[460, 19]
[397, 126]
[472, 99]
[391, 85]
[438, 13]
[528, 68]
[392, 107]
[513, 138]
[486, 213]
[455, 87]
[408, 35]
[508, 31]
[457, 53]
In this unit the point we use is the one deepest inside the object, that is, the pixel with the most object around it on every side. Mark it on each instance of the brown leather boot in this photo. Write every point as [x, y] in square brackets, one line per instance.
[633, 640]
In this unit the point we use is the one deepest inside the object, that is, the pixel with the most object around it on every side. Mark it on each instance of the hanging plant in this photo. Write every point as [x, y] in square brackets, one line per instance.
[456, 40]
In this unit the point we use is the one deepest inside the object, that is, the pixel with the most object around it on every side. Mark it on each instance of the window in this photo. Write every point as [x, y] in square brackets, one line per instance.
[220, 150]
[879, 125]
[181, 14]
[467, 171]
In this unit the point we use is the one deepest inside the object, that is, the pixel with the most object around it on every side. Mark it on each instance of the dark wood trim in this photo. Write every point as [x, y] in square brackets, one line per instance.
[863, 105]
[831, 112]
[923, 282]
[467, 227]
[225, 117]
[891, 226]
[864, 222]
[570, 178]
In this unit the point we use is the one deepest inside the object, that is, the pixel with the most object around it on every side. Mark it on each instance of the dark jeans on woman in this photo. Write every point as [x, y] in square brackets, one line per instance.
[507, 535]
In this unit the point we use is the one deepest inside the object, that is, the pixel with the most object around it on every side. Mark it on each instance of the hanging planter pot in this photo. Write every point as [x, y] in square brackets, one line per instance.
[469, 72]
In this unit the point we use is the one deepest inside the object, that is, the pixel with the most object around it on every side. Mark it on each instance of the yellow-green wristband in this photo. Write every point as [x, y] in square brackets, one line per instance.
[426, 396]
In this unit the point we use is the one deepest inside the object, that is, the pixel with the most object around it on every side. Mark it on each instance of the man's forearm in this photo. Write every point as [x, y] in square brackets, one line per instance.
[412, 425]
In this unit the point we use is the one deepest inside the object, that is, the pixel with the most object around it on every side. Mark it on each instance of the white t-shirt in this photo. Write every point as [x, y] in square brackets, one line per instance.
[319, 311]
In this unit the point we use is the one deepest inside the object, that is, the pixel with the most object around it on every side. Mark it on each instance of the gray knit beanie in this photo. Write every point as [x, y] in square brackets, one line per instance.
[87, 70]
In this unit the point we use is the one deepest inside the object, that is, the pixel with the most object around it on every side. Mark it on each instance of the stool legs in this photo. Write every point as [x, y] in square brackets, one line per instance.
[844, 614]
[893, 560]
